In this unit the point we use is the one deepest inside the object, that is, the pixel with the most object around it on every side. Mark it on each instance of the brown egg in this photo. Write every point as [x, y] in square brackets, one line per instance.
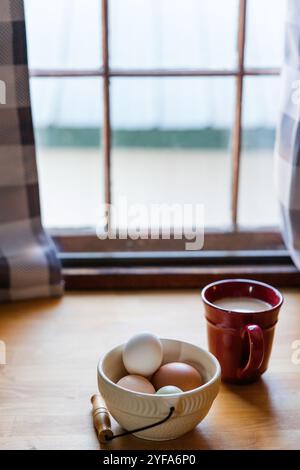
[179, 374]
[136, 383]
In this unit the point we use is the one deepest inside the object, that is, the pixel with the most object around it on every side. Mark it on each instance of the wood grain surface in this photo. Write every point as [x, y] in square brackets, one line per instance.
[52, 353]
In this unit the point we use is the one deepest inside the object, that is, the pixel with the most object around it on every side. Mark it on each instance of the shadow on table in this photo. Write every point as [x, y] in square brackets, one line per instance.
[26, 306]
[257, 395]
[202, 437]
[257, 408]
[16, 317]
[15, 311]
[256, 412]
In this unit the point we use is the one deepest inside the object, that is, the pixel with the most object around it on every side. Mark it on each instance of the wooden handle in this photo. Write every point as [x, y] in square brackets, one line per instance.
[101, 419]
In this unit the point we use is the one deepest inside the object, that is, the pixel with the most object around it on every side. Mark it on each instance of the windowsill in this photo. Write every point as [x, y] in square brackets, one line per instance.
[149, 270]
[173, 277]
[89, 263]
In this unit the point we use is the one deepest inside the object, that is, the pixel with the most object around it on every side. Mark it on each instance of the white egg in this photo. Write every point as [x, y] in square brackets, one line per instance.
[143, 354]
[168, 390]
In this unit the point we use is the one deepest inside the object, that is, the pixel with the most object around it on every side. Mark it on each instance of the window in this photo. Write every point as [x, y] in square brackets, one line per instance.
[158, 101]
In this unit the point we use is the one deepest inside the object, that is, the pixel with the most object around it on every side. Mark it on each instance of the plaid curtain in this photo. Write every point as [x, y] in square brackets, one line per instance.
[287, 148]
[28, 263]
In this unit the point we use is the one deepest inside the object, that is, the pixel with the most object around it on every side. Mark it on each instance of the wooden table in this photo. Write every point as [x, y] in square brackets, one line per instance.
[52, 352]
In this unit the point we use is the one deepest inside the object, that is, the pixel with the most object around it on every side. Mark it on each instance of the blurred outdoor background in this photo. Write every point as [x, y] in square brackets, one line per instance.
[171, 136]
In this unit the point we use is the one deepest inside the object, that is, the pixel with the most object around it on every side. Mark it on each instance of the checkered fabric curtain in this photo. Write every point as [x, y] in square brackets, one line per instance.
[287, 148]
[28, 263]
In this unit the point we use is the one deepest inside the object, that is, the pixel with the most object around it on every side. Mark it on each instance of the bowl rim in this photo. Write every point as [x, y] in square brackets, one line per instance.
[215, 377]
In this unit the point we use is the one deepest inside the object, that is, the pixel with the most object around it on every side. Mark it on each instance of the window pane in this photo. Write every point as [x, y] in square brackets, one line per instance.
[265, 33]
[258, 202]
[67, 116]
[63, 33]
[173, 33]
[171, 142]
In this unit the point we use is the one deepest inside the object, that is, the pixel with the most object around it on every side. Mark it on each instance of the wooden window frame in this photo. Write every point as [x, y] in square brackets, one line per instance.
[89, 263]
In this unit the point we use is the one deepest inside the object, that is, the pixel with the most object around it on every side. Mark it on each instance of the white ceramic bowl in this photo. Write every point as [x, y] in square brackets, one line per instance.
[133, 410]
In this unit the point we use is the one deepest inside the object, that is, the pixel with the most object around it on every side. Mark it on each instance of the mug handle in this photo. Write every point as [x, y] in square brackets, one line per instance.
[256, 349]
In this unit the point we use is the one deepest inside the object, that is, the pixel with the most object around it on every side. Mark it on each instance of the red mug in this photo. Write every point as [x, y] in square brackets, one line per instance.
[241, 340]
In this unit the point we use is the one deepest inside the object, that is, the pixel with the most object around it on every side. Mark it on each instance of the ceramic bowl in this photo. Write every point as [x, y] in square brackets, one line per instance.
[134, 410]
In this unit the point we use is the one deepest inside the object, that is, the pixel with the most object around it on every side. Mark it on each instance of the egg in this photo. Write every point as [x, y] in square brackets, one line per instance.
[168, 390]
[179, 374]
[142, 354]
[136, 383]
